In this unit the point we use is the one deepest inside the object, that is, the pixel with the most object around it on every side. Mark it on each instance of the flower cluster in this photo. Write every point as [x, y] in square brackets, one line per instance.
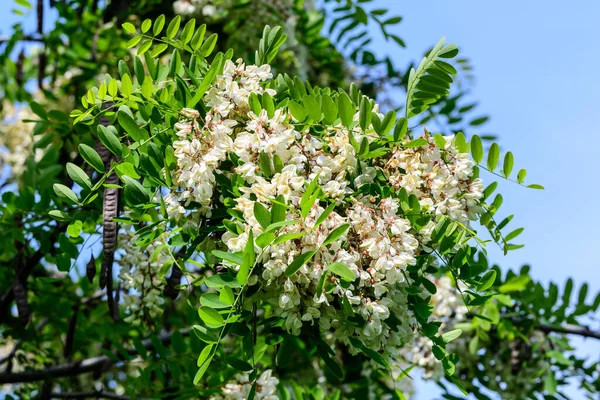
[374, 242]
[449, 309]
[238, 389]
[17, 140]
[142, 277]
[201, 148]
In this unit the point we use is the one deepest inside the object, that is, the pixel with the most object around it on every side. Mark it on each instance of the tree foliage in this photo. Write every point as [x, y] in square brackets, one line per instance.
[201, 204]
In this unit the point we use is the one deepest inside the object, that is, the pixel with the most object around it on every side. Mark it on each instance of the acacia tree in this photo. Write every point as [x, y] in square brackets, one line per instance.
[205, 207]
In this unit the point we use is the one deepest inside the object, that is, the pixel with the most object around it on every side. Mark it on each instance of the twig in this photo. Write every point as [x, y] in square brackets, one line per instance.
[88, 395]
[95, 364]
[570, 330]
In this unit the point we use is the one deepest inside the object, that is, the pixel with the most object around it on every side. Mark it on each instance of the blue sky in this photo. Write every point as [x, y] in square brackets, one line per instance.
[536, 65]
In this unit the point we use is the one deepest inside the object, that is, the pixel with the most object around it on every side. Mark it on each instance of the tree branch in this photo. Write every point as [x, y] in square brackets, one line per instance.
[570, 330]
[88, 395]
[94, 364]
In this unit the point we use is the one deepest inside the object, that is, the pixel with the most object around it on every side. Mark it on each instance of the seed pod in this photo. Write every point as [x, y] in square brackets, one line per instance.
[41, 69]
[20, 293]
[90, 269]
[19, 67]
[172, 281]
[40, 16]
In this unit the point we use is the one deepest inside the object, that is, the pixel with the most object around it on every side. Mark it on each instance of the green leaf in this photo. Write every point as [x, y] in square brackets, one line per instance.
[113, 87]
[91, 157]
[135, 193]
[342, 271]
[158, 50]
[535, 186]
[146, 25]
[330, 109]
[204, 361]
[508, 164]
[278, 210]
[521, 175]
[147, 87]
[226, 295]
[232, 258]
[487, 281]
[365, 113]
[238, 364]
[515, 284]
[144, 47]
[332, 366]
[298, 111]
[127, 169]
[493, 156]
[110, 140]
[324, 215]
[212, 300]
[335, 234]
[514, 234]
[158, 25]
[479, 121]
[439, 141]
[477, 149]
[417, 143]
[288, 236]
[248, 260]
[126, 85]
[173, 27]
[188, 31]
[265, 239]
[450, 336]
[210, 317]
[221, 280]
[461, 143]
[79, 176]
[387, 123]
[209, 45]
[298, 262]
[313, 108]
[59, 215]
[65, 193]
[346, 109]
[262, 215]
[128, 26]
[550, 384]
[400, 129]
[130, 126]
[375, 356]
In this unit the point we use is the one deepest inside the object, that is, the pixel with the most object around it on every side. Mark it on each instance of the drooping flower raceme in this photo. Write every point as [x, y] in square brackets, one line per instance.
[238, 389]
[449, 309]
[340, 250]
[142, 273]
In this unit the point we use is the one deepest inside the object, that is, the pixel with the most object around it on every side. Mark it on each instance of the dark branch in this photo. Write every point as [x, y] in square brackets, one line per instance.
[88, 395]
[94, 364]
[26, 38]
[570, 330]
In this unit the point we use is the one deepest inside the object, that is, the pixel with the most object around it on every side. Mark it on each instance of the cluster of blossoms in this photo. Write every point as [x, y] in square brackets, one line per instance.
[143, 277]
[17, 140]
[200, 149]
[441, 180]
[377, 243]
[239, 389]
[449, 309]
